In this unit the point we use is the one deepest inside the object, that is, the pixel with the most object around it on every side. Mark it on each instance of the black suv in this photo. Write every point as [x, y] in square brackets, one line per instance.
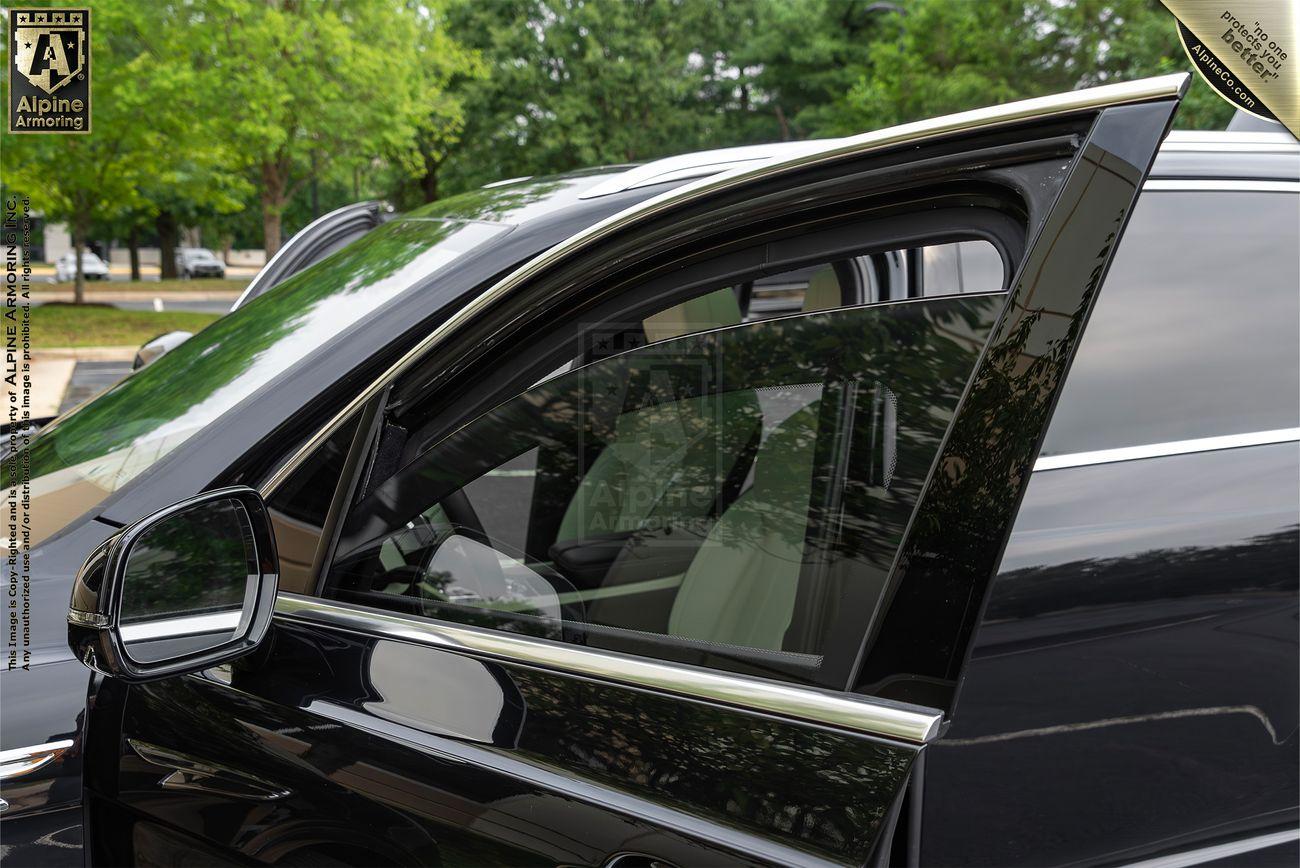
[618, 519]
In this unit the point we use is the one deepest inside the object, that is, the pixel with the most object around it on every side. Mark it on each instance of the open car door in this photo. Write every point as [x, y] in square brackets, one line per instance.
[313, 243]
[745, 666]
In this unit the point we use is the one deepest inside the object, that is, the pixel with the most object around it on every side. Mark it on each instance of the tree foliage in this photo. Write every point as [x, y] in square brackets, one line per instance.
[251, 117]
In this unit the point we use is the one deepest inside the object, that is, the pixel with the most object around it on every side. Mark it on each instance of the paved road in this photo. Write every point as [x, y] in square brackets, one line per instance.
[205, 303]
[91, 378]
[217, 306]
[119, 274]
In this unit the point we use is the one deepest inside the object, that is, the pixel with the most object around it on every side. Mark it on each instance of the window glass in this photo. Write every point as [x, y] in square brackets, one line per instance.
[732, 497]
[1196, 332]
[960, 266]
[298, 508]
[84, 456]
[937, 269]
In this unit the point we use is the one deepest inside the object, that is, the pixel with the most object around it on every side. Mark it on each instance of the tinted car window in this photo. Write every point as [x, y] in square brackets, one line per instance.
[731, 497]
[108, 442]
[1196, 332]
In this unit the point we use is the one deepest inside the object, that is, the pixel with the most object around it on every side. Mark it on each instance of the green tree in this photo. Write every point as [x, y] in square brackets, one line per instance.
[85, 179]
[311, 84]
[573, 84]
[932, 57]
[155, 156]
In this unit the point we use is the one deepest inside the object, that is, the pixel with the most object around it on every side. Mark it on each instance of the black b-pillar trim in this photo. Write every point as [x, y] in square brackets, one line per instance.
[954, 543]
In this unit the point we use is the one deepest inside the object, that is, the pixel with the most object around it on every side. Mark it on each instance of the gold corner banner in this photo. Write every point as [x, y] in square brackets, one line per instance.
[1246, 50]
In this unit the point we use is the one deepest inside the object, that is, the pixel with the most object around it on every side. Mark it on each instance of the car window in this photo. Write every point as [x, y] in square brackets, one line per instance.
[948, 268]
[1196, 332]
[730, 493]
[106, 443]
[298, 508]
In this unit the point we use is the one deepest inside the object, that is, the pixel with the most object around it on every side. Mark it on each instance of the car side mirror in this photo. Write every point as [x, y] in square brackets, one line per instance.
[158, 347]
[182, 590]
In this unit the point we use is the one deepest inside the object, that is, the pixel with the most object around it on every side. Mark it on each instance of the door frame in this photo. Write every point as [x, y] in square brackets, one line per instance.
[1125, 124]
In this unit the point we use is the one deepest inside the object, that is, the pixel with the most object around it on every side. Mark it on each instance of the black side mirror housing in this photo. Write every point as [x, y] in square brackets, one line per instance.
[184, 589]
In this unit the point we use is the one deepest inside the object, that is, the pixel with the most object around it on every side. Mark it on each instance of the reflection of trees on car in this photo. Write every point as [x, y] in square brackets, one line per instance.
[236, 354]
[194, 560]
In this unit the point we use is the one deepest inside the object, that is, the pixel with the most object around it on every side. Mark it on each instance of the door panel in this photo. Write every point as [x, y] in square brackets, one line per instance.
[370, 744]
[444, 759]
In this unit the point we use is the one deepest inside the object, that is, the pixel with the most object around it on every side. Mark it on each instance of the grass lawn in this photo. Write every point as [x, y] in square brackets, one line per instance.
[90, 325]
[206, 284]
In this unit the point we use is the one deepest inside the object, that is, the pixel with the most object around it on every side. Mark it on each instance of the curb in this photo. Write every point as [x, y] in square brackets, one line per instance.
[85, 354]
[135, 295]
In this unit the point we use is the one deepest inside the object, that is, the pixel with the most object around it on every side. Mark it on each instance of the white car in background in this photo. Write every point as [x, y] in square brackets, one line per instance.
[199, 262]
[92, 267]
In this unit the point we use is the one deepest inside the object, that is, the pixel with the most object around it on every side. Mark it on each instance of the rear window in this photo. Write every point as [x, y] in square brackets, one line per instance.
[1197, 329]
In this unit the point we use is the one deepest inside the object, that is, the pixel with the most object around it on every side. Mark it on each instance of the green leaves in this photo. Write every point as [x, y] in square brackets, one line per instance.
[292, 107]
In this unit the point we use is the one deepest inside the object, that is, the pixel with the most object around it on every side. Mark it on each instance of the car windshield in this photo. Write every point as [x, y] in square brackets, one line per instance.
[77, 461]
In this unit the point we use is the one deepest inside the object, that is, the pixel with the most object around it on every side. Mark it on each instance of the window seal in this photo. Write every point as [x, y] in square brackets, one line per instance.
[865, 715]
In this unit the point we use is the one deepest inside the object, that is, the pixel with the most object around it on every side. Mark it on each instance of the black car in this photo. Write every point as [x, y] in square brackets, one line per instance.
[614, 520]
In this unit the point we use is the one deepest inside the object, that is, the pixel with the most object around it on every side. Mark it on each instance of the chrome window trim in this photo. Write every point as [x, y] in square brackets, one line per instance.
[1278, 140]
[867, 715]
[24, 760]
[1218, 851]
[1096, 98]
[1229, 185]
[1166, 449]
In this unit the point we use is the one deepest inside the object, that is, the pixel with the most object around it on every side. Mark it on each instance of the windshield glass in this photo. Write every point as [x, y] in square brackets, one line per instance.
[95, 450]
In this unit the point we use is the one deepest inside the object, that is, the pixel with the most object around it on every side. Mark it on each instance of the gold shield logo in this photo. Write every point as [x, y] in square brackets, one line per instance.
[50, 47]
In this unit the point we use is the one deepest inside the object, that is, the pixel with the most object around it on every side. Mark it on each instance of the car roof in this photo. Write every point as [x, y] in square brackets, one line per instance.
[1189, 154]
[1194, 153]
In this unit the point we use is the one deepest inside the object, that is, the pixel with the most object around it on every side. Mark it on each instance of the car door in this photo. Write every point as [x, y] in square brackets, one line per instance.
[313, 243]
[613, 571]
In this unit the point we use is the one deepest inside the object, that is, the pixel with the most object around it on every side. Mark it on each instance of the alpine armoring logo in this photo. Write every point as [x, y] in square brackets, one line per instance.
[49, 71]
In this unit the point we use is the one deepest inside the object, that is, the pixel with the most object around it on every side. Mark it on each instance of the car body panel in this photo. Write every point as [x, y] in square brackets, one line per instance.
[478, 762]
[1136, 668]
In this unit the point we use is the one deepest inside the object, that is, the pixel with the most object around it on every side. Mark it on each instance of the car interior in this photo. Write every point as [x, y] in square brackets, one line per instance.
[658, 491]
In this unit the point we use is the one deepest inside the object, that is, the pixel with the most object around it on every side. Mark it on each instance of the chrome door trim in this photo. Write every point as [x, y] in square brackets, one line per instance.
[867, 715]
[1243, 185]
[24, 760]
[1218, 851]
[1090, 99]
[1162, 450]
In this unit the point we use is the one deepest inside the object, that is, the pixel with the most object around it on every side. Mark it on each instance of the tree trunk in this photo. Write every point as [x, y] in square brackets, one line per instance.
[270, 227]
[165, 223]
[785, 125]
[429, 185]
[273, 200]
[133, 248]
[79, 282]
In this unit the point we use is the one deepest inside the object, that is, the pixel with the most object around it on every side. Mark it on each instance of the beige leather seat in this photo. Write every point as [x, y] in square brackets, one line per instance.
[665, 462]
[740, 588]
[823, 292]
